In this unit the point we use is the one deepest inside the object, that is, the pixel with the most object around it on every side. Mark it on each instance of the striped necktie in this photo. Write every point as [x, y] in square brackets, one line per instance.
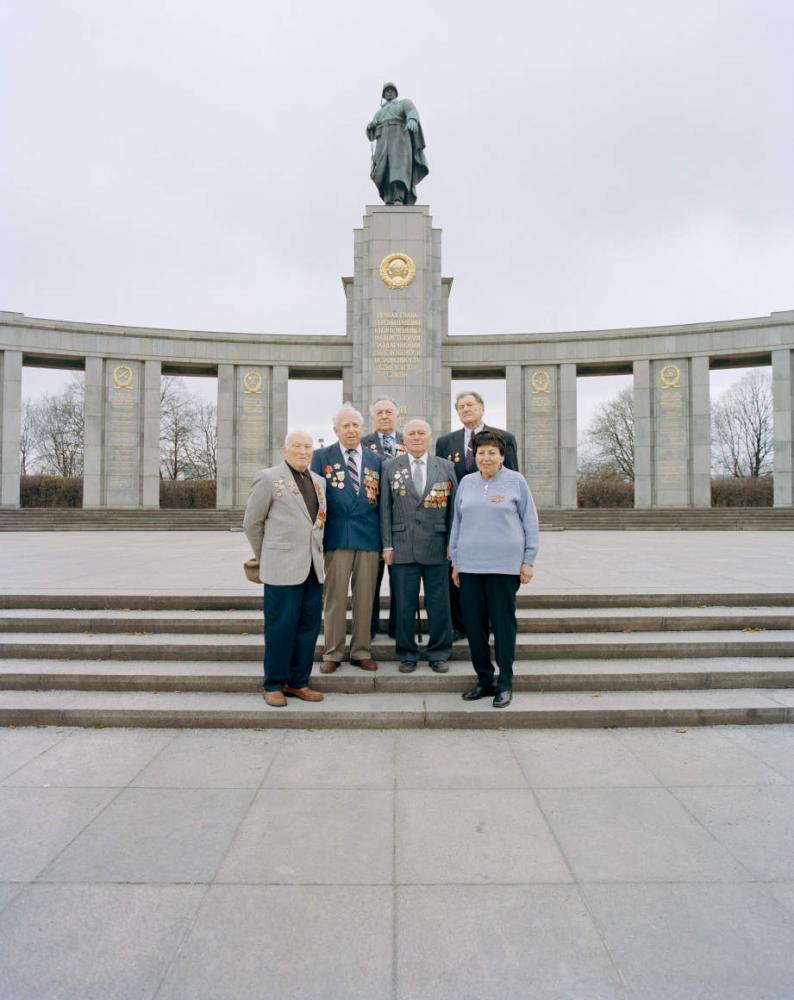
[470, 463]
[388, 445]
[352, 470]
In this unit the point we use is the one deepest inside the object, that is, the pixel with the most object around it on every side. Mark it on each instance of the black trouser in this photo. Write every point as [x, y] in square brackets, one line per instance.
[406, 578]
[292, 624]
[376, 602]
[488, 601]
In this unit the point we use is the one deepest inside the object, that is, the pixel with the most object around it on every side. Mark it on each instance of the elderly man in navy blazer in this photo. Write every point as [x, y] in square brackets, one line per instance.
[416, 518]
[352, 539]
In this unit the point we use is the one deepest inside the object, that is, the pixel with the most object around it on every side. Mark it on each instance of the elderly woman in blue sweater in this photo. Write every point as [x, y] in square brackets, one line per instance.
[493, 544]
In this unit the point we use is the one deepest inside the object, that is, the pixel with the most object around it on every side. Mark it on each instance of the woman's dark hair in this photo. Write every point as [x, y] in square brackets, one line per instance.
[489, 437]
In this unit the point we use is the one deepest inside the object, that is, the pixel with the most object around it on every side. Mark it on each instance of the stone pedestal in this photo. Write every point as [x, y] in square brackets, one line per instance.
[245, 445]
[10, 421]
[541, 412]
[122, 433]
[397, 312]
[782, 389]
[672, 437]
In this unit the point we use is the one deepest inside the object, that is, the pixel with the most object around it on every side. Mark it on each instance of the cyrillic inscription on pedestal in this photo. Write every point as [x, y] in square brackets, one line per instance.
[671, 418]
[542, 435]
[123, 435]
[252, 428]
[397, 342]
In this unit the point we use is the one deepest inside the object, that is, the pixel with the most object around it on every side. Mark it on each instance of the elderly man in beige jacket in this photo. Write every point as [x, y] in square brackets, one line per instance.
[284, 522]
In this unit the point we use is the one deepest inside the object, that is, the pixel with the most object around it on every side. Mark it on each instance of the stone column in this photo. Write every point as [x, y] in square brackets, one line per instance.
[278, 411]
[568, 470]
[782, 387]
[397, 314]
[514, 398]
[347, 388]
[548, 404]
[10, 423]
[643, 477]
[245, 402]
[122, 433]
[445, 425]
[93, 421]
[225, 484]
[700, 424]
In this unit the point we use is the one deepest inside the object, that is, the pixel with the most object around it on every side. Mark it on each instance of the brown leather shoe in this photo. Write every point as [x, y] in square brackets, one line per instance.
[275, 698]
[328, 666]
[365, 664]
[305, 693]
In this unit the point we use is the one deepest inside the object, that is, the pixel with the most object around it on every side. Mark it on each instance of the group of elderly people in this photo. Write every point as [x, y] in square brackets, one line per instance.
[461, 523]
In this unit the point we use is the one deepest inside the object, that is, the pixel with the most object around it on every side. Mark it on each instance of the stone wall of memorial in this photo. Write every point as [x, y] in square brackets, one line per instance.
[397, 344]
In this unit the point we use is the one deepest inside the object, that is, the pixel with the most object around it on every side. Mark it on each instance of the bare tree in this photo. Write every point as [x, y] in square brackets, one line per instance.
[610, 437]
[742, 427]
[177, 423]
[203, 445]
[56, 430]
[27, 438]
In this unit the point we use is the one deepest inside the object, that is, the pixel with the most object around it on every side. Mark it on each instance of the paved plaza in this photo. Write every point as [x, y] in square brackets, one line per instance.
[571, 865]
[570, 562]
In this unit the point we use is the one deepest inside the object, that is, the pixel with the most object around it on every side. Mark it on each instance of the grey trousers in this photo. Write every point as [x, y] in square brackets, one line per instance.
[359, 570]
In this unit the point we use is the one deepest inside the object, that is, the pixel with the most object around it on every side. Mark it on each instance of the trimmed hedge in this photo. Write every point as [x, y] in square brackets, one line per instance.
[51, 491]
[187, 493]
[604, 491]
[754, 491]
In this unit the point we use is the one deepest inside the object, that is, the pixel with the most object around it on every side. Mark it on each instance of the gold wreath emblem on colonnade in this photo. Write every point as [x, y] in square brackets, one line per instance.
[540, 381]
[122, 377]
[252, 382]
[670, 377]
[397, 270]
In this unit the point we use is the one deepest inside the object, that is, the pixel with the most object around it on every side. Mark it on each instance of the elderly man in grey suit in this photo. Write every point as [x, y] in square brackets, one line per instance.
[284, 522]
[416, 516]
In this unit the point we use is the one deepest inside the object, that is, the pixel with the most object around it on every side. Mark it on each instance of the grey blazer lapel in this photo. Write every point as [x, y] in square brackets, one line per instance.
[433, 475]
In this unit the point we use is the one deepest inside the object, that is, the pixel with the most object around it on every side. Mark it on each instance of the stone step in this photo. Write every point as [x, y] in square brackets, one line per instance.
[606, 645]
[253, 601]
[529, 620]
[393, 711]
[529, 675]
[590, 519]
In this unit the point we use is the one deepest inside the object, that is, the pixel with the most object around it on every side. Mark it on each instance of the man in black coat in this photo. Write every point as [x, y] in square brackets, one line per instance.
[456, 448]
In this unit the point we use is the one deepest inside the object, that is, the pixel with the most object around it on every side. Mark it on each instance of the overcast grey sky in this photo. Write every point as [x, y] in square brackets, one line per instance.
[182, 163]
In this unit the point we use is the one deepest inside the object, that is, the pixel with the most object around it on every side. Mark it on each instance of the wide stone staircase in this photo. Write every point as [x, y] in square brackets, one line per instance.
[585, 519]
[582, 661]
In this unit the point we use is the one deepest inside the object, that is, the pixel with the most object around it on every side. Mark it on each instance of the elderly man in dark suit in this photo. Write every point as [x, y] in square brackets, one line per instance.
[416, 517]
[387, 441]
[456, 448]
[352, 539]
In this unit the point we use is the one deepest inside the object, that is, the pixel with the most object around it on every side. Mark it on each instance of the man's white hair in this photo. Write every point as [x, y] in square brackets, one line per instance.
[291, 434]
[347, 408]
[383, 399]
[418, 420]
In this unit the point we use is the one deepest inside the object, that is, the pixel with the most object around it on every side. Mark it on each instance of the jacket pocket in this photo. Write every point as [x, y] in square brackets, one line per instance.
[398, 527]
[277, 545]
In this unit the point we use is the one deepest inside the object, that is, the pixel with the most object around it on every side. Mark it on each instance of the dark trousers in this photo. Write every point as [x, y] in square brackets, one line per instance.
[488, 602]
[292, 624]
[406, 578]
[376, 602]
[454, 605]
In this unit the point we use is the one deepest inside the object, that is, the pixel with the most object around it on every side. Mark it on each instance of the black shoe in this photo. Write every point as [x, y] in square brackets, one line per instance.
[503, 698]
[407, 666]
[457, 635]
[439, 666]
[478, 691]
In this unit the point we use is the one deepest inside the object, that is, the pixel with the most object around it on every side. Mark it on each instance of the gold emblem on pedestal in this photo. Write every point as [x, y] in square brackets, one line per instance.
[122, 377]
[670, 377]
[540, 381]
[252, 382]
[397, 270]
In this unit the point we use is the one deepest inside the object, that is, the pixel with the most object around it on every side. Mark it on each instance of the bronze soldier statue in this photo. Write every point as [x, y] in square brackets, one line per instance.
[398, 162]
